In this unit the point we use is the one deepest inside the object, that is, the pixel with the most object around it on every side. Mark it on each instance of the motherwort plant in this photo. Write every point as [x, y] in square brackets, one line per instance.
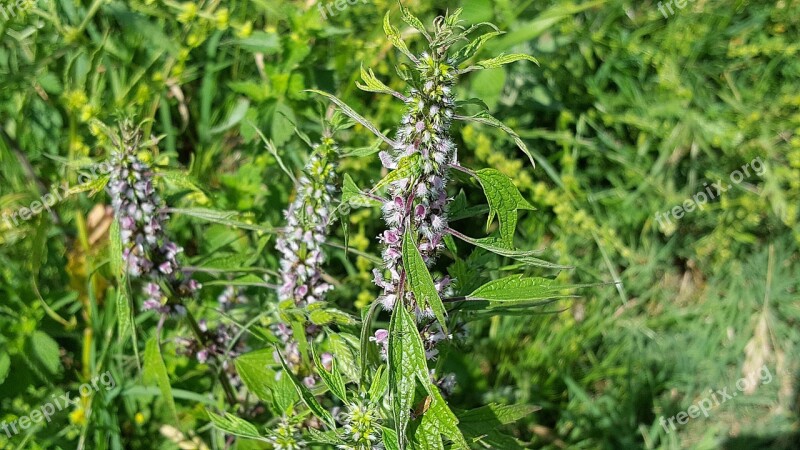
[397, 402]
[147, 253]
[308, 219]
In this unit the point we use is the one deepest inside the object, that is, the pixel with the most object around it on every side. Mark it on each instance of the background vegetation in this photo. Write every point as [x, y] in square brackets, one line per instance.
[629, 114]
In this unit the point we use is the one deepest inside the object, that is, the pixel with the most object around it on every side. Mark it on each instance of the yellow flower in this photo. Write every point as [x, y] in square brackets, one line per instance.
[139, 418]
[78, 417]
[188, 12]
[245, 30]
[222, 18]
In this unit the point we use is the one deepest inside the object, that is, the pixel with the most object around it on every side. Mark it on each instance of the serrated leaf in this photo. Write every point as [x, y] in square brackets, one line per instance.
[469, 50]
[245, 280]
[94, 186]
[407, 365]
[362, 152]
[406, 354]
[504, 201]
[485, 118]
[306, 395]
[332, 379]
[483, 424]
[420, 280]
[380, 384]
[390, 439]
[499, 62]
[236, 115]
[394, 37]
[373, 84]
[323, 437]
[366, 327]
[155, 372]
[253, 369]
[235, 426]
[516, 288]
[181, 180]
[350, 112]
[329, 316]
[413, 21]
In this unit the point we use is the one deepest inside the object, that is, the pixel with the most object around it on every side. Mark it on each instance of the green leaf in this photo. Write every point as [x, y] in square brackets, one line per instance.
[516, 288]
[306, 395]
[181, 180]
[380, 384]
[485, 118]
[421, 281]
[328, 316]
[353, 196]
[220, 217]
[394, 37]
[499, 62]
[350, 112]
[94, 186]
[5, 365]
[373, 84]
[115, 249]
[155, 372]
[332, 379]
[469, 50]
[366, 328]
[236, 115]
[406, 355]
[504, 201]
[407, 167]
[245, 280]
[413, 20]
[482, 425]
[407, 365]
[390, 440]
[46, 351]
[235, 426]
[527, 257]
[253, 369]
[124, 311]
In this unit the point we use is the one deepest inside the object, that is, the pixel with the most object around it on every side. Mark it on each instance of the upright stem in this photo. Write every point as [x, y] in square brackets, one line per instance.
[223, 379]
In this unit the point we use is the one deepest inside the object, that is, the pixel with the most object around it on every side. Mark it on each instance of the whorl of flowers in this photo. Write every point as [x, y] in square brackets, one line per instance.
[361, 425]
[308, 219]
[286, 436]
[147, 252]
[420, 200]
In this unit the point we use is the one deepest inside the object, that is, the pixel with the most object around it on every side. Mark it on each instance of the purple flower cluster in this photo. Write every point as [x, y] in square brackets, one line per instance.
[213, 346]
[420, 201]
[147, 252]
[308, 219]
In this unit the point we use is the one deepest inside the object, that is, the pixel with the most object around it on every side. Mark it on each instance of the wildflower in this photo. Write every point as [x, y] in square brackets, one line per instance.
[420, 200]
[361, 425]
[147, 252]
[286, 437]
[308, 221]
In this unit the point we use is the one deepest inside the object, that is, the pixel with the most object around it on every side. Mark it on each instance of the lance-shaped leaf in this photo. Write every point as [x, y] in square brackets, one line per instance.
[421, 281]
[469, 50]
[350, 112]
[235, 426]
[306, 395]
[516, 288]
[413, 21]
[394, 37]
[499, 61]
[221, 217]
[485, 118]
[504, 201]
[407, 365]
[373, 84]
[483, 425]
[332, 379]
[527, 257]
[155, 372]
